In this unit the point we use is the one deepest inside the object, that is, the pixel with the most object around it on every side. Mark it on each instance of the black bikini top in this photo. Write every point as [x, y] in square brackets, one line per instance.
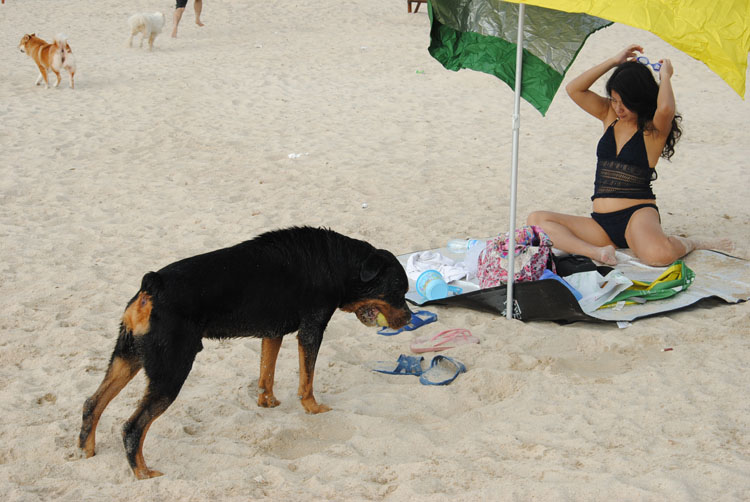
[626, 175]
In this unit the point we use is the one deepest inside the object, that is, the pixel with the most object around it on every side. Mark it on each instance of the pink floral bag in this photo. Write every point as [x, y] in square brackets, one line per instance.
[532, 254]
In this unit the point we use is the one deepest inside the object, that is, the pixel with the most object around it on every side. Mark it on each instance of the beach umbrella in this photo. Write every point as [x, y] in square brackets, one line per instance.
[531, 47]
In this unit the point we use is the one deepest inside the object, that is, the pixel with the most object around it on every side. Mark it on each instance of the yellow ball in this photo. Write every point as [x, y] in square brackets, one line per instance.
[381, 320]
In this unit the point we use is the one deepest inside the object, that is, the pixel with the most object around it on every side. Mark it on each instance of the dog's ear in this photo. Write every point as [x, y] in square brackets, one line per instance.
[371, 266]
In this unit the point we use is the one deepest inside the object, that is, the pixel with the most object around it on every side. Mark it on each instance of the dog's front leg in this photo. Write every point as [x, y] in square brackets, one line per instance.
[309, 339]
[269, 351]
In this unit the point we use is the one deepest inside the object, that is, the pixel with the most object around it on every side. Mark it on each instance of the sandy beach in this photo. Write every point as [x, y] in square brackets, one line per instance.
[333, 114]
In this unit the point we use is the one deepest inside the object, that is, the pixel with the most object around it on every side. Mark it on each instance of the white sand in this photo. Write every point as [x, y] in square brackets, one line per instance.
[158, 156]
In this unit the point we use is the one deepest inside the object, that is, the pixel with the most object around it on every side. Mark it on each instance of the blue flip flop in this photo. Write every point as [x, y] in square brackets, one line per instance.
[442, 371]
[407, 365]
[418, 319]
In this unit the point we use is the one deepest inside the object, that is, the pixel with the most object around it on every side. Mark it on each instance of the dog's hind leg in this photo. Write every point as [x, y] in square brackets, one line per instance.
[134, 431]
[122, 368]
[309, 339]
[144, 35]
[42, 76]
[269, 352]
[166, 369]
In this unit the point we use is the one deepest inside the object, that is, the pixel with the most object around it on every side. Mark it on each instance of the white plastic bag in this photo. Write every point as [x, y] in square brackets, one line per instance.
[596, 288]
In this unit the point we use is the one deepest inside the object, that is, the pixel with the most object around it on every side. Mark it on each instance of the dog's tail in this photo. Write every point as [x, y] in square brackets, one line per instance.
[136, 320]
[61, 41]
[152, 283]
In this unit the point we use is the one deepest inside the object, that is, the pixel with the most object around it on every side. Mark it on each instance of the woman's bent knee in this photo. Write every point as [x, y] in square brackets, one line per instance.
[536, 218]
[657, 256]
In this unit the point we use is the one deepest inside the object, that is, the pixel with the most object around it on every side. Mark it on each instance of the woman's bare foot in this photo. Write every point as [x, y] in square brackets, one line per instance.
[717, 244]
[606, 255]
[198, 22]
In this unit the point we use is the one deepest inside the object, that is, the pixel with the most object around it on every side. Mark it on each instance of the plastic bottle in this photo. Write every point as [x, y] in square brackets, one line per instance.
[460, 245]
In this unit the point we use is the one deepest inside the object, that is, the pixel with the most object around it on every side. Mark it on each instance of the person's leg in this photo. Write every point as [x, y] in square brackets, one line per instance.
[576, 235]
[177, 16]
[198, 4]
[653, 247]
[649, 242]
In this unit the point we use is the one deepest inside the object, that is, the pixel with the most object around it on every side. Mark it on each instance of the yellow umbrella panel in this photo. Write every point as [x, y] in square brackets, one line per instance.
[714, 32]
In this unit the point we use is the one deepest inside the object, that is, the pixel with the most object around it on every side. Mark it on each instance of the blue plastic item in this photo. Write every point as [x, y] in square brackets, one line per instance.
[644, 60]
[418, 319]
[548, 274]
[431, 285]
[442, 371]
[406, 365]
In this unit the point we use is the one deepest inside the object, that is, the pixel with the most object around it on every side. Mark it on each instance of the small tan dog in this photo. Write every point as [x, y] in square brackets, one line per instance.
[148, 25]
[54, 56]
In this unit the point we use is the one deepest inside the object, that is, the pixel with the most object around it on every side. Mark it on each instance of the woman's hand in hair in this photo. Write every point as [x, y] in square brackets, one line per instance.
[666, 70]
[629, 53]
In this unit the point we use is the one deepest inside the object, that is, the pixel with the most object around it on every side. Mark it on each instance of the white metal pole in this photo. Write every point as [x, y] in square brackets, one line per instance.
[514, 164]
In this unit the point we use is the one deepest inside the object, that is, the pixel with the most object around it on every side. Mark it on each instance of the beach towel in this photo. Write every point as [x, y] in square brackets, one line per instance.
[718, 279]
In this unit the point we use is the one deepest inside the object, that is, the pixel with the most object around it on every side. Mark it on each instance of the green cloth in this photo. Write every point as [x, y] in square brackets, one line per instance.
[481, 35]
[678, 277]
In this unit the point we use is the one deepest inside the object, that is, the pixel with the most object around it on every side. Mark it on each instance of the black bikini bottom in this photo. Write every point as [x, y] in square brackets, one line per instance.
[616, 222]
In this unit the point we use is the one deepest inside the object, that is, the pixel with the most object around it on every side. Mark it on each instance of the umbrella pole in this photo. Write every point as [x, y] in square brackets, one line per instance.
[514, 164]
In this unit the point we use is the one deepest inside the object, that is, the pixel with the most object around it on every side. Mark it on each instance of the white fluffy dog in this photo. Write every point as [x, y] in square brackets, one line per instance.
[148, 25]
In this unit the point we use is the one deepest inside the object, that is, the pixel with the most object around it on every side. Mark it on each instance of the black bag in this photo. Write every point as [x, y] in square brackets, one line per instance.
[573, 263]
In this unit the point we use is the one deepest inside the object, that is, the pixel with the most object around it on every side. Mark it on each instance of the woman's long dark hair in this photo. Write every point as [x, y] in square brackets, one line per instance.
[638, 90]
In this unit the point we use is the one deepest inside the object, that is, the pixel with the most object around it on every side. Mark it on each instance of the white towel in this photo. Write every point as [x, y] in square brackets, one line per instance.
[432, 260]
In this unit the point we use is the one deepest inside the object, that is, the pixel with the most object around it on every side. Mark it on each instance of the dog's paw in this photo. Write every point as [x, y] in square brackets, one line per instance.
[79, 454]
[311, 406]
[146, 473]
[268, 401]
[84, 452]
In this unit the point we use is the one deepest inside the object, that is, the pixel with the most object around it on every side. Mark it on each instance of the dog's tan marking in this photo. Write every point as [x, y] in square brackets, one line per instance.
[137, 316]
[269, 352]
[397, 318]
[119, 373]
[305, 391]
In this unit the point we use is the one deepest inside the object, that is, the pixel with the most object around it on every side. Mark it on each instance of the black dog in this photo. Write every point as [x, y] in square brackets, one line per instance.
[280, 282]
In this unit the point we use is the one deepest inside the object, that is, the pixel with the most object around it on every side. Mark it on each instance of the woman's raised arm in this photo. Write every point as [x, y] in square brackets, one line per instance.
[665, 103]
[589, 101]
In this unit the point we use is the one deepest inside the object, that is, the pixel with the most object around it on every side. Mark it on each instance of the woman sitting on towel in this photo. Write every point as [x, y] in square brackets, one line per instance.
[640, 126]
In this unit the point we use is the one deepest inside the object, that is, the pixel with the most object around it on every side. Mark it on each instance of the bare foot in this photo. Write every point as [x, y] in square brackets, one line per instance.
[198, 22]
[607, 255]
[718, 244]
[174, 33]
